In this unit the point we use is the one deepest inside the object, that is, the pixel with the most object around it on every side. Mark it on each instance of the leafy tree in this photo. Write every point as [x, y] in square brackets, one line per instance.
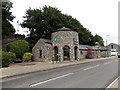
[7, 18]
[99, 39]
[19, 47]
[85, 37]
[42, 22]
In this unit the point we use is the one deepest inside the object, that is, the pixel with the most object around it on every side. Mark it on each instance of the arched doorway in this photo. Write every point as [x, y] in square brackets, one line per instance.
[56, 53]
[66, 53]
[75, 52]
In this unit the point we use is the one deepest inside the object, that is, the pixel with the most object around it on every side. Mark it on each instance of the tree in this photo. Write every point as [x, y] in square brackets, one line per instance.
[7, 17]
[85, 37]
[19, 47]
[99, 39]
[42, 22]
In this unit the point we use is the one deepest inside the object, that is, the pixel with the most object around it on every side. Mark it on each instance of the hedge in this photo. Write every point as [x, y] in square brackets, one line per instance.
[27, 57]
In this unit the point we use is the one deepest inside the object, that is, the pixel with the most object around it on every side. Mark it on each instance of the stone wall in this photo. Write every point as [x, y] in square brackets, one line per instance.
[42, 51]
[65, 38]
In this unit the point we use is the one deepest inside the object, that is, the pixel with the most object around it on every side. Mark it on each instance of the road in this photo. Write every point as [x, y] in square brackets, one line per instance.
[98, 74]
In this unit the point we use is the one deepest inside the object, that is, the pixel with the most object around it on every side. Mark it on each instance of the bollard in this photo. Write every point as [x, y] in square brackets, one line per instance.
[52, 60]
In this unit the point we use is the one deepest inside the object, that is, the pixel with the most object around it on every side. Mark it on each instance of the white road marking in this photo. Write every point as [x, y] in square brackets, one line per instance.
[91, 67]
[50, 80]
[107, 63]
[109, 86]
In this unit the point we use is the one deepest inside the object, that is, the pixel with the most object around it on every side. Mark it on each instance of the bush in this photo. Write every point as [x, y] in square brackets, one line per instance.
[7, 58]
[12, 56]
[27, 57]
[19, 47]
[0, 59]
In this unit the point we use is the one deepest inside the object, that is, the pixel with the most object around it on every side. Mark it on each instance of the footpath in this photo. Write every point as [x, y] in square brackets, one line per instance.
[28, 67]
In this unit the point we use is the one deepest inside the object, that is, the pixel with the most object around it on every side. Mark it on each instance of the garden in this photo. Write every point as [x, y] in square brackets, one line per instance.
[14, 52]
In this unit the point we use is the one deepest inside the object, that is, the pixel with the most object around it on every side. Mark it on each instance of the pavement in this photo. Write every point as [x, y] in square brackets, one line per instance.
[23, 68]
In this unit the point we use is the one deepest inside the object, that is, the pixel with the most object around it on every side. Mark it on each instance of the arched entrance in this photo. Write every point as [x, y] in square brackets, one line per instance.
[75, 52]
[56, 53]
[66, 53]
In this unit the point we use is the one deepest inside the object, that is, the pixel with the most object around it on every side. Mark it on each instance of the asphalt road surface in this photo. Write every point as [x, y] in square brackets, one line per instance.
[98, 74]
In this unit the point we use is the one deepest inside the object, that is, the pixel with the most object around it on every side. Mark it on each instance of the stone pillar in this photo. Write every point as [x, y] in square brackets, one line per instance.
[78, 54]
[60, 51]
[72, 56]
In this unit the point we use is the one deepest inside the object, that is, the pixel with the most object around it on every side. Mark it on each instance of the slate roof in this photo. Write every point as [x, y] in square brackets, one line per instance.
[92, 47]
[64, 29]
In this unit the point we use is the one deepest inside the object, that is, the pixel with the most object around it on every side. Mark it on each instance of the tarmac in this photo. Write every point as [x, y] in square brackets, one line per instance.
[28, 67]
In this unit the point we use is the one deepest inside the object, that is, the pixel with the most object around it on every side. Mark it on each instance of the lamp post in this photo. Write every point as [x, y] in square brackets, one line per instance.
[17, 26]
[106, 46]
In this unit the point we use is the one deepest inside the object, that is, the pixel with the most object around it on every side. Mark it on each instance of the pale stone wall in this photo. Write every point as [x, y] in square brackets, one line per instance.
[46, 50]
[65, 38]
[83, 54]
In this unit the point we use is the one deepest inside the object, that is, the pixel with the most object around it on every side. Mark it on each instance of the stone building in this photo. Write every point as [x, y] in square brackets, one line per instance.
[64, 45]
[42, 51]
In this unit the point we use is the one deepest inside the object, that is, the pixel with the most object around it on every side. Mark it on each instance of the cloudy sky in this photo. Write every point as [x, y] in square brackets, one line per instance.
[99, 16]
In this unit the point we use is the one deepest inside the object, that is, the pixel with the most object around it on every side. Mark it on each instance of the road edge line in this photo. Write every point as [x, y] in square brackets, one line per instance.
[110, 85]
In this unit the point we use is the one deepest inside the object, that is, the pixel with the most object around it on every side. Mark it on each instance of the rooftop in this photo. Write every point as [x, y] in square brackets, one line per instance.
[64, 29]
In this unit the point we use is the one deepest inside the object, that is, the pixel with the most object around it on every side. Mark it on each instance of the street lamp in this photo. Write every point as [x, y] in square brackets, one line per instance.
[17, 26]
[106, 46]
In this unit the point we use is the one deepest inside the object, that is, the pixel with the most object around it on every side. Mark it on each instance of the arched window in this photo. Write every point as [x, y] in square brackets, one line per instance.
[66, 53]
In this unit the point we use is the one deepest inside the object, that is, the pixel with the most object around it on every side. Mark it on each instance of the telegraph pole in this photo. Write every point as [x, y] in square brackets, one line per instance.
[106, 46]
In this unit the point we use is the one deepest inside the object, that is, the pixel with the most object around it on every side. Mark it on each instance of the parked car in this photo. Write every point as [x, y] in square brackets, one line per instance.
[118, 54]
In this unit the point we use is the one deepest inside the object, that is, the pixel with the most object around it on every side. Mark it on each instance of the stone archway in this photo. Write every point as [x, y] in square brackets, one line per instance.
[56, 53]
[75, 52]
[66, 53]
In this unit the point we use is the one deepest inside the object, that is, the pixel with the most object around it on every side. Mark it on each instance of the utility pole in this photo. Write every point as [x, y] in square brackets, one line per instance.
[106, 46]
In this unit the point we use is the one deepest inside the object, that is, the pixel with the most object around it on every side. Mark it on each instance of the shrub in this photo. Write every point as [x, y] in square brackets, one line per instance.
[0, 59]
[12, 56]
[27, 57]
[7, 58]
[19, 47]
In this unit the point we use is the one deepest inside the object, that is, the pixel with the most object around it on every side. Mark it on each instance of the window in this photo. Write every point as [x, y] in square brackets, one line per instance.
[111, 46]
[40, 53]
[81, 52]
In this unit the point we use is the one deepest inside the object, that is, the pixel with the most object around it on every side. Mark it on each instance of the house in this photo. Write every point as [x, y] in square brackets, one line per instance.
[114, 48]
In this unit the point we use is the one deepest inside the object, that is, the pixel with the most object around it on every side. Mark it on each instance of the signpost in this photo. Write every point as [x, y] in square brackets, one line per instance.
[55, 39]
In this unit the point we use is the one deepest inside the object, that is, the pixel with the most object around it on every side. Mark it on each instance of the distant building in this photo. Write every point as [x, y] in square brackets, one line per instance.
[114, 48]
[64, 45]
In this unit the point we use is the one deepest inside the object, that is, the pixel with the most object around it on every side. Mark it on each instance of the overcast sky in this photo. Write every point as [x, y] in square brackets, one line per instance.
[99, 16]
